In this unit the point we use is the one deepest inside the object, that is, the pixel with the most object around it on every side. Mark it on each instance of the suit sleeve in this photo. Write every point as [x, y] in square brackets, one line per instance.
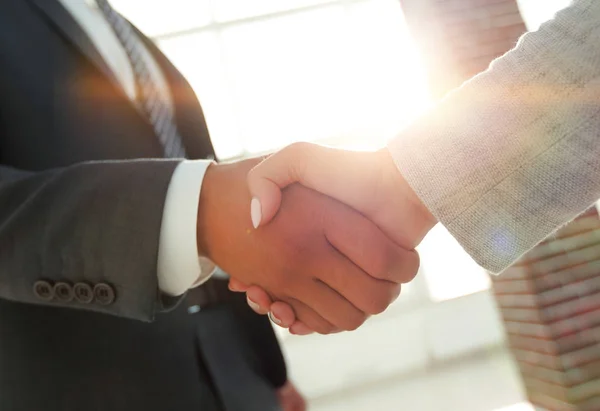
[514, 153]
[90, 223]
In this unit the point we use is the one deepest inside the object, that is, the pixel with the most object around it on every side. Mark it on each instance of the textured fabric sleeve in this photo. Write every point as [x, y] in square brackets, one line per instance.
[514, 153]
[91, 223]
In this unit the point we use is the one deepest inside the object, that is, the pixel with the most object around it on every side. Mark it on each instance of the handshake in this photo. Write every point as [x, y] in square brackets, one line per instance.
[329, 238]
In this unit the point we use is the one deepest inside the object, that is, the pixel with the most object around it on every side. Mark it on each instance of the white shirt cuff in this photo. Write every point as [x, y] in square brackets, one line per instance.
[179, 267]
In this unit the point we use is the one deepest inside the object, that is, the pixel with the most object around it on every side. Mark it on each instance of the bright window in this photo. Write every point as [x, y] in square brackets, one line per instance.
[448, 270]
[271, 72]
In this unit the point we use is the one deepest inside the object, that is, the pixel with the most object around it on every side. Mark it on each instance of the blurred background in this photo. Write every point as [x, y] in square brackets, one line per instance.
[353, 73]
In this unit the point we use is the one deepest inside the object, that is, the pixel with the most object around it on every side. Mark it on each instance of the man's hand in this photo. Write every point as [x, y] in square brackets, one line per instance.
[329, 263]
[368, 182]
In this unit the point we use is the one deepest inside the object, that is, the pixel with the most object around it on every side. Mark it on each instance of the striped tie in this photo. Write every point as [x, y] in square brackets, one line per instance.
[158, 111]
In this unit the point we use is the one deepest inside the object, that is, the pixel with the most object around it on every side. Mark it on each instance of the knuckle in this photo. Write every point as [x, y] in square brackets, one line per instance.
[299, 146]
[380, 306]
[313, 320]
[399, 266]
[395, 292]
[376, 305]
[356, 321]
[412, 266]
[297, 155]
[384, 263]
[381, 298]
[320, 325]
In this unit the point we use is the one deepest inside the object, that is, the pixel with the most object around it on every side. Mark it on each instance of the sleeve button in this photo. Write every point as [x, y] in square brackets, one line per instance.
[83, 293]
[104, 294]
[63, 292]
[43, 290]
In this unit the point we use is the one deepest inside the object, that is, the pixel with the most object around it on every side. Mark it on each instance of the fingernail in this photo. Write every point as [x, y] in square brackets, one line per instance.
[255, 212]
[233, 287]
[274, 318]
[253, 305]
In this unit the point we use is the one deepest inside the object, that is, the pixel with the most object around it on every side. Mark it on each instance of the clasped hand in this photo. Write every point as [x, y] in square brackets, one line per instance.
[329, 240]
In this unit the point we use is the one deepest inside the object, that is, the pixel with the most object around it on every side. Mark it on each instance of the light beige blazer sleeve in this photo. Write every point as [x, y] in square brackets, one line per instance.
[514, 153]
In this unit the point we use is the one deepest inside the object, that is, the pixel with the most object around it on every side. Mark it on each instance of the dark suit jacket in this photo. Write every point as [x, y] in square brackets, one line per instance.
[81, 199]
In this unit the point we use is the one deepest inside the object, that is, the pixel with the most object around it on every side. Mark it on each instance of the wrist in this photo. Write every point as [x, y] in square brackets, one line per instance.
[424, 216]
[224, 200]
[204, 205]
[406, 200]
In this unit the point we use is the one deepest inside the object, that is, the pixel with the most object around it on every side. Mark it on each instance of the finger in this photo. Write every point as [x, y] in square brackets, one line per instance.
[320, 168]
[331, 305]
[255, 307]
[237, 286]
[299, 328]
[367, 294]
[362, 242]
[282, 314]
[258, 300]
[310, 319]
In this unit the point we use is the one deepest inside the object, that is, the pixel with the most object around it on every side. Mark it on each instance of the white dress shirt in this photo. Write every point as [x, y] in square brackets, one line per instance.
[179, 267]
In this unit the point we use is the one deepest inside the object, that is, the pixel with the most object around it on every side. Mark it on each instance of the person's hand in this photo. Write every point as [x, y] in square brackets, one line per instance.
[279, 312]
[290, 399]
[368, 182]
[329, 263]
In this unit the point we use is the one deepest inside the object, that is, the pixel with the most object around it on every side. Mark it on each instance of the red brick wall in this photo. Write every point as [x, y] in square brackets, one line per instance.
[550, 303]
[459, 38]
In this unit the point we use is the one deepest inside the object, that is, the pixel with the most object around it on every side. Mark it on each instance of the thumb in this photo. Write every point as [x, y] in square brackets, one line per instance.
[267, 179]
[326, 170]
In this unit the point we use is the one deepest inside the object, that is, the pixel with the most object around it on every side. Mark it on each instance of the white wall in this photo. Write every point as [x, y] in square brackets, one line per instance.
[399, 342]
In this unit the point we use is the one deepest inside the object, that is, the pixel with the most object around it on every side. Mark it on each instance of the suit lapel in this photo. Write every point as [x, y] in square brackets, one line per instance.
[63, 22]
[188, 113]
